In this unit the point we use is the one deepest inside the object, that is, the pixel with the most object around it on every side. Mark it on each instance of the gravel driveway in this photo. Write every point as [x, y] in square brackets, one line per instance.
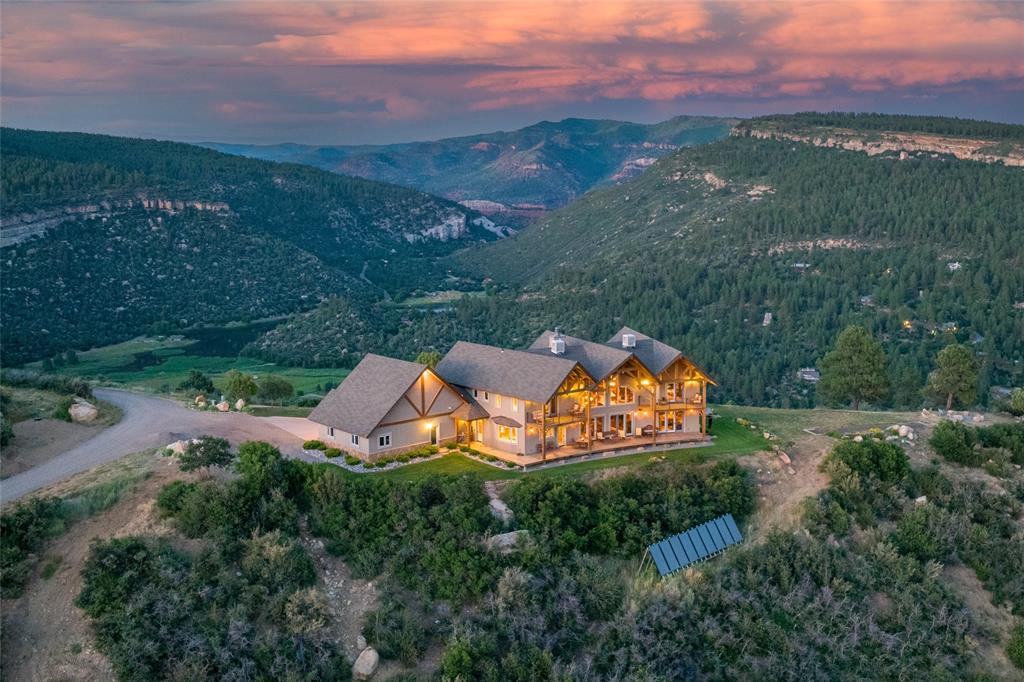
[148, 422]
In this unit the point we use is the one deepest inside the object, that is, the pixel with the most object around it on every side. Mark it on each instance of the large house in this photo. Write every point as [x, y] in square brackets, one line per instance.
[561, 396]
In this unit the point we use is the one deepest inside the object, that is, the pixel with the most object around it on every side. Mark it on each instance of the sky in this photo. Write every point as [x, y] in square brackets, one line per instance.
[379, 72]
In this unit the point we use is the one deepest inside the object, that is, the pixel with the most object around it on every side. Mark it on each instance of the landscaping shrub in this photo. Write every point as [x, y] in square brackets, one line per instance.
[395, 631]
[352, 460]
[56, 383]
[162, 614]
[955, 442]
[1015, 649]
[314, 445]
[198, 382]
[331, 453]
[882, 460]
[205, 452]
[426, 532]
[623, 515]
[172, 496]
[1007, 436]
[62, 410]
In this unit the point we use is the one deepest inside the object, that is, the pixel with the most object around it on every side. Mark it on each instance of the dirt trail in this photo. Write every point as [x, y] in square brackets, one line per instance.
[782, 487]
[45, 636]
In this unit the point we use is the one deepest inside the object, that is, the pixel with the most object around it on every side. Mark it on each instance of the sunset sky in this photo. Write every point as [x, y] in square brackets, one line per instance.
[393, 71]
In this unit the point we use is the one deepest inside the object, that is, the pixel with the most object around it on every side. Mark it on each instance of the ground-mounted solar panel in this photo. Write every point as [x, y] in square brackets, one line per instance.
[696, 544]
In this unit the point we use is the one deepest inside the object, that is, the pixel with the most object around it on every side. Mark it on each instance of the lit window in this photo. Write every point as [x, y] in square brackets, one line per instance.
[507, 434]
[355, 438]
[621, 395]
[515, 404]
[497, 400]
[384, 440]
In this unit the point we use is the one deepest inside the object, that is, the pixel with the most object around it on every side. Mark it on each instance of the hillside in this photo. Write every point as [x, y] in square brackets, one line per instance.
[892, 135]
[924, 251]
[707, 242]
[103, 237]
[544, 165]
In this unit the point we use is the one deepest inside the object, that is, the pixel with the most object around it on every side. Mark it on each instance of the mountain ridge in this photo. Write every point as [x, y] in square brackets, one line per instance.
[544, 165]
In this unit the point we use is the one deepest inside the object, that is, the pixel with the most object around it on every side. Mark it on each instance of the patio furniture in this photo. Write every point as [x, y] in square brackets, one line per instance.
[647, 430]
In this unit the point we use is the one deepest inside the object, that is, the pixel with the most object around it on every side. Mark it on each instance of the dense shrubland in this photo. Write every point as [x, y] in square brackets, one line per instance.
[859, 593]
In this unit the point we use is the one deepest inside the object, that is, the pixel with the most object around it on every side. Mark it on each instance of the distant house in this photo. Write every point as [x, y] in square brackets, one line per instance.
[767, 320]
[808, 374]
[559, 397]
[953, 266]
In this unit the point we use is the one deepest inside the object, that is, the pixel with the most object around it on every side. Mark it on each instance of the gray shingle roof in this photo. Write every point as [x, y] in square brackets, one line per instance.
[597, 358]
[472, 409]
[516, 373]
[367, 394]
[655, 355]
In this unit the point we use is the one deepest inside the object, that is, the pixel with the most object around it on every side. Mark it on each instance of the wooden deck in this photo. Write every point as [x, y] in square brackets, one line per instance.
[601, 449]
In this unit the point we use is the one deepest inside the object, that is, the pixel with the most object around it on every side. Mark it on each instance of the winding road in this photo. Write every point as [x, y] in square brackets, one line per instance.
[149, 422]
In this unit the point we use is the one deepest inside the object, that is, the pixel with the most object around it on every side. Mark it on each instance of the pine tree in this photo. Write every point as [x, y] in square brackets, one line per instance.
[854, 371]
[955, 376]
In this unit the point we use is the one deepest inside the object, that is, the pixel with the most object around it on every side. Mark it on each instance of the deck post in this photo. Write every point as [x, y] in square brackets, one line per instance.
[544, 433]
[654, 414]
[586, 426]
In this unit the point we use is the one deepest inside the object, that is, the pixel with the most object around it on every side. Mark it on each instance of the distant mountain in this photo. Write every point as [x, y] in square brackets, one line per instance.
[543, 166]
[104, 236]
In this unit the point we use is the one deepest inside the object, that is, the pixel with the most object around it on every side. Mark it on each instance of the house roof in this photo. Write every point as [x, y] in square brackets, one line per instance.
[506, 421]
[367, 394]
[597, 358]
[654, 354]
[471, 409]
[517, 373]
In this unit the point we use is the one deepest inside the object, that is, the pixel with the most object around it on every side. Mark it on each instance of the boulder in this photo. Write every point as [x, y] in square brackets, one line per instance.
[177, 447]
[506, 543]
[904, 430]
[921, 500]
[784, 457]
[361, 642]
[200, 400]
[83, 412]
[223, 406]
[501, 511]
[366, 665]
[911, 436]
[978, 418]
[239, 404]
[858, 439]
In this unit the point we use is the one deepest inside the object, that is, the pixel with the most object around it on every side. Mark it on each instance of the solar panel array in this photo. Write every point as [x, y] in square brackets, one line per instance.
[696, 544]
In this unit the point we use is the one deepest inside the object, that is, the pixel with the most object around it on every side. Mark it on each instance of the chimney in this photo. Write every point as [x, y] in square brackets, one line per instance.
[629, 340]
[557, 342]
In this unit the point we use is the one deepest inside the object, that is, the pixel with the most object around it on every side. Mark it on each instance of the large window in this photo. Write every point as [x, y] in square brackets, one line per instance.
[497, 400]
[515, 404]
[622, 395]
[670, 421]
[673, 391]
[384, 440]
[507, 434]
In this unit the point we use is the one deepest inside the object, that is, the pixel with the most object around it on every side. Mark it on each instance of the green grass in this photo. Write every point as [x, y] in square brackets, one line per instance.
[114, 363]
[439, 297]
[731, 439]
[789, 424]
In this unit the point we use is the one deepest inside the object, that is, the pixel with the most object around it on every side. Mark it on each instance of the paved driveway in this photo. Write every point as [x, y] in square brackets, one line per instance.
[149, 422]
